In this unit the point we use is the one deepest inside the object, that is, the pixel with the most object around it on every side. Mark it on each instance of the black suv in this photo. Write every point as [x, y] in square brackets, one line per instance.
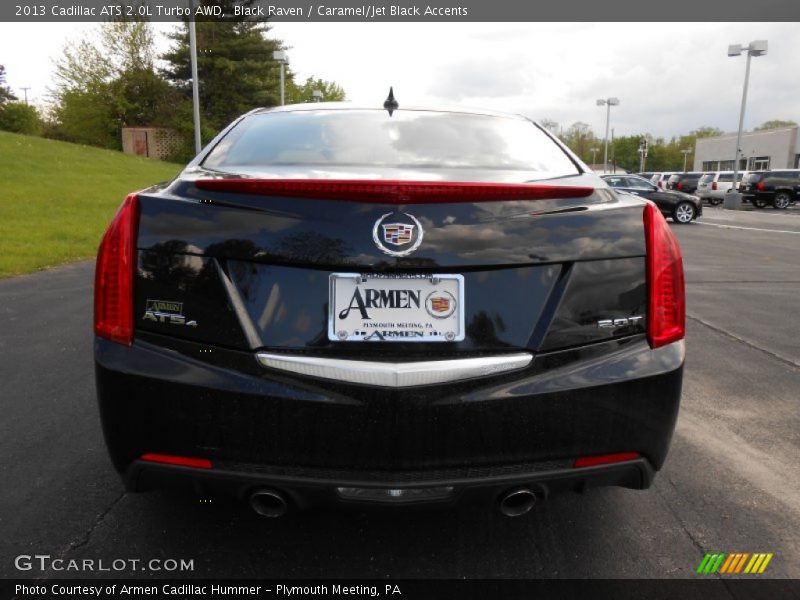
[684, 182]
[779, 188]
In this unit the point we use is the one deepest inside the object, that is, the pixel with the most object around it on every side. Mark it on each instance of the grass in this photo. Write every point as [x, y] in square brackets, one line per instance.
[56, 198]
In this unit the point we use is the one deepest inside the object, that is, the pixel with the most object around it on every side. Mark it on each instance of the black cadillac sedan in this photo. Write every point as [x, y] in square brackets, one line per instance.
[683, 208]
[387, 307]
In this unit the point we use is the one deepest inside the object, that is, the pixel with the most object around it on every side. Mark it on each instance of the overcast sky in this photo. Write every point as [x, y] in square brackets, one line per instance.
[670, 77]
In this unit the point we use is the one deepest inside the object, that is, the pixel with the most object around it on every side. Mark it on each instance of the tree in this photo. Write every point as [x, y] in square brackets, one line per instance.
[331, 92]
[704, 132]
[103, 87]
[235, 67]
[580, 139]
[775, 124]
[20, 118]
[550, 125]
[5, 91]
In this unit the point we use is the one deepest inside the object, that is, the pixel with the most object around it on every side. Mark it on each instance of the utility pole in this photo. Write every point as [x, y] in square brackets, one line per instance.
[25, 91]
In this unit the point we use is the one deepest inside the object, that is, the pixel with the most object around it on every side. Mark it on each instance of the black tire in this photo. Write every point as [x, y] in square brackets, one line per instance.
[715, 201]
[781, 201]
[684, 213]
[759, 202]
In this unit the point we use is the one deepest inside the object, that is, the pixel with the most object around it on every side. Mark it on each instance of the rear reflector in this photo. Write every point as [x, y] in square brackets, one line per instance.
[605, 459]
[181, 461]
[666, 312]
[392, 192]
[113, 276]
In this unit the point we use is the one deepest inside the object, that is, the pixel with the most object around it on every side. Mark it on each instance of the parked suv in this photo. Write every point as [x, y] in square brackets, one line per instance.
[713, 186]
[779, 188]
[660, 179]
[684, 182]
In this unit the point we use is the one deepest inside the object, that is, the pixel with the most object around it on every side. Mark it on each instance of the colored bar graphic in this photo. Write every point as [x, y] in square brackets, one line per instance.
[734, 563]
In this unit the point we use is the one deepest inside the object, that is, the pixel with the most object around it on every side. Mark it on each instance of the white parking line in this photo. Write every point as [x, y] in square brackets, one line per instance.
[746, 228]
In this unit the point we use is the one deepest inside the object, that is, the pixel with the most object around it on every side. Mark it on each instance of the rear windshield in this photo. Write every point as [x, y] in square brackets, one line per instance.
[407, 139]
[725, 177]
[707, 177]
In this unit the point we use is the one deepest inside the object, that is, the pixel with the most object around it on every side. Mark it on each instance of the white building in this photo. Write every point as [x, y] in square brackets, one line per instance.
[760, 150]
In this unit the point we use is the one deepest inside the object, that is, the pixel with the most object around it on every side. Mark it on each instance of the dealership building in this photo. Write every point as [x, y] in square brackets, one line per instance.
[760, 150]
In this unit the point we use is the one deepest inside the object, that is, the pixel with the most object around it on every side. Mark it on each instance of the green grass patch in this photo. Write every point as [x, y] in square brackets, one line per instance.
[56, 199]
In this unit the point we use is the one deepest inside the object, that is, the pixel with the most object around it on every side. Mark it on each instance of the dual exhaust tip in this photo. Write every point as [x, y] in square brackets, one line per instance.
[271, 503]
[517, 502]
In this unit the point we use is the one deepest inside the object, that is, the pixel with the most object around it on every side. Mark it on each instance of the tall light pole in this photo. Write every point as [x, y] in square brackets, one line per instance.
[733, 199]
[283, 59]
[686, 152]
[594, 152]
[198, 144]
[608, 103]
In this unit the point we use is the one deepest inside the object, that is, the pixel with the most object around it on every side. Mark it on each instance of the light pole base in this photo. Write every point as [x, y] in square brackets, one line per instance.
[733, 201]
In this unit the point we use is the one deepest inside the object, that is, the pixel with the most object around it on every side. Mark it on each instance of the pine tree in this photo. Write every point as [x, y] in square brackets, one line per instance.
[235, 67]
[5, 91]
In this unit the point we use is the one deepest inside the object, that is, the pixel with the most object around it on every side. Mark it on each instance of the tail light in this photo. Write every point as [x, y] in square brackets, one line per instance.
[113, 276]
[666, 311]
[680, 185]
[714, 185]
[393, 192]
[760, 186]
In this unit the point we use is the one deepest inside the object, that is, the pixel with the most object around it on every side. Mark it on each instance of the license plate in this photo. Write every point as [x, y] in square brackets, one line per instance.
[396, 308]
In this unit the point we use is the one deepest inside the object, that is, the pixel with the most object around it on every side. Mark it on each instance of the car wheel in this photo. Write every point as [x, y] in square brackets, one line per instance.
[781, 200]
[715, 201]
[683, 213]
[759, 202]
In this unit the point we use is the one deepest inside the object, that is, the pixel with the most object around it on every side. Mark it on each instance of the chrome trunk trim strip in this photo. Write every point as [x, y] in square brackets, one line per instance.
[392, 374]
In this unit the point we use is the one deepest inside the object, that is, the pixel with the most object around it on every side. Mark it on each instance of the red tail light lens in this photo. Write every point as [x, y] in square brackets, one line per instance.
[680, 185]
[714, 185]
[605, 459]
[760, 186]
[666, 311]
[113, 276]
[393, 192]
[181, 461]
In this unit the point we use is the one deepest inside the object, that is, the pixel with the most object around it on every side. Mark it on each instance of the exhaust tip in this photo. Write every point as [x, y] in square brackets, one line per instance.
[269, 503]
[517, 502]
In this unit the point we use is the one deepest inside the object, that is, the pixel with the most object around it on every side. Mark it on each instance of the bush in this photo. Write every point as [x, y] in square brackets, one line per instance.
[19, 117]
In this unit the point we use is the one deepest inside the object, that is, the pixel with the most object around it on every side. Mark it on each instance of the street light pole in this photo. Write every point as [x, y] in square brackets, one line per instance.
[198, 143]
[282, 58]
[685, 152]
[594, 152]
[608, 102]
[733, 199]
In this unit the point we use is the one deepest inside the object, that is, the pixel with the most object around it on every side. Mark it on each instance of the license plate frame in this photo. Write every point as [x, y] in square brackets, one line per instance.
[386, 324]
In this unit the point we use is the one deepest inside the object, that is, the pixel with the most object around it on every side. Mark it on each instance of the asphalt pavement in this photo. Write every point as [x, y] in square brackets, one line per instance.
[731, 482]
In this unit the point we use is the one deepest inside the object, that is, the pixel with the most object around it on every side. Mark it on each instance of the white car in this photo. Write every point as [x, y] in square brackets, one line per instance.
[714, 185]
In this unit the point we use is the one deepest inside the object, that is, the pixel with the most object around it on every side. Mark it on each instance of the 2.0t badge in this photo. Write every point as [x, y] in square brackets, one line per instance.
[397, 234]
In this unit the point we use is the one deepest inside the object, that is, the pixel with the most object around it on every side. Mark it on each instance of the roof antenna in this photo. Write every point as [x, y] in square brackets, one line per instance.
[390, 103]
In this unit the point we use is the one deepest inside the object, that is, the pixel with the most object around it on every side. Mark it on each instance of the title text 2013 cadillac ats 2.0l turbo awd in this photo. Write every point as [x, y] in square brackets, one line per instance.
[389, 306]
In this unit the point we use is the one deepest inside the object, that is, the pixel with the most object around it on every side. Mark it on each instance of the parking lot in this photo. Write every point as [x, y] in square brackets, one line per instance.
[731, 482]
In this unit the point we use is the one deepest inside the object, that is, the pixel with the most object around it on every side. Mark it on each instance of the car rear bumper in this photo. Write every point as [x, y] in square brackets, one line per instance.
[326, 489]
[259, 427]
